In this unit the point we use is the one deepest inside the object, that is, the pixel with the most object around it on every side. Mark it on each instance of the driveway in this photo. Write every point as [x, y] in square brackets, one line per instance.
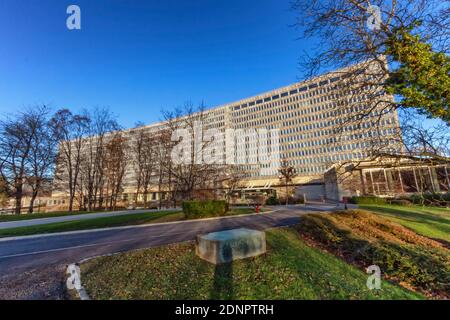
[39, 255]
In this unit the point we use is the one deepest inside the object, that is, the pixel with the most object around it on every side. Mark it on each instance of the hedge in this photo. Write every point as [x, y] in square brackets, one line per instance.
[432, 199]
[401, 202]
[368, 200]
[204, 209]
[274, 201]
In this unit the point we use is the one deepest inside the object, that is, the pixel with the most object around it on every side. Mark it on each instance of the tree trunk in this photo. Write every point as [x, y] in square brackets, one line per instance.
[71, 191]
[82, 206]
[100, 199]
[33, 198]
[159, 194]
[287, 196]
[93, 201]
[71, 197]
[145, 198]
[113, 202]
[110, 202]
[18, 204]
[70, 203]
[90, 197]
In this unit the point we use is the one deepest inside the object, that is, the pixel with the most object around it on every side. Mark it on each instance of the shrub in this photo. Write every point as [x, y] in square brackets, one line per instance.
[401, 202]
[432, 199]
[272, 201]
[204, 209]
[368, 200]
[299, 200]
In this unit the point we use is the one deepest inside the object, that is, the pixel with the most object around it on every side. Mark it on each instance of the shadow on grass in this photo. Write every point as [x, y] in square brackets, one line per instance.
[411, 218]
[425, 268]
[223, 288]
[410, 214]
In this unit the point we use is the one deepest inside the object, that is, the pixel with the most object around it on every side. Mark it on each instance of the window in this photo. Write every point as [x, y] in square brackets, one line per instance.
[408, 180]
[334, 79]
[443, 178]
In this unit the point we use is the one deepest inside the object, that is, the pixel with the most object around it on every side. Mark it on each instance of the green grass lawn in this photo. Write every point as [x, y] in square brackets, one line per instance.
[106, 222]
[37, 215]
[428, 221]
[289, 270]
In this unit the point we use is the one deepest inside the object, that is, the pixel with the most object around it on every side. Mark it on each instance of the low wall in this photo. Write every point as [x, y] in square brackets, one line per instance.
[312, 192]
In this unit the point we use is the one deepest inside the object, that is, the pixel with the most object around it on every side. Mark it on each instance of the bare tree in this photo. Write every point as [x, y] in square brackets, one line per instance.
[343, 36]
[163, 162]
[287, 174]
[425, 139]
[71, 131]
[18, 138]
[102, 123]
[42, 156]
[137, 141]
[193, 172]
[232, 178]
[116, 162]
[3, 194]
[15, 148]
[378, 76]
[143, 147]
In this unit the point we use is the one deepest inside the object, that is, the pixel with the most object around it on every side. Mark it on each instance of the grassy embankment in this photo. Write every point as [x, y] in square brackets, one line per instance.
[363, 238]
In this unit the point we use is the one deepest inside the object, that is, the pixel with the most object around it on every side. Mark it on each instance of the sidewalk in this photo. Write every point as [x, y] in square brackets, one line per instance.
[34, 222]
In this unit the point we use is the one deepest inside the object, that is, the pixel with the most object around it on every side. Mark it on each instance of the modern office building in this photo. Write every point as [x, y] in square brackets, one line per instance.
[306, 115]
[311, 119]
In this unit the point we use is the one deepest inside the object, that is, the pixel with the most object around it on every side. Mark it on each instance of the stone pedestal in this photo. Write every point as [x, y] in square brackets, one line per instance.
[230, 245]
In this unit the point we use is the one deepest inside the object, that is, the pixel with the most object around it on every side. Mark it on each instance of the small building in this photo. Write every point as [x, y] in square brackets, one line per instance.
[387, 177]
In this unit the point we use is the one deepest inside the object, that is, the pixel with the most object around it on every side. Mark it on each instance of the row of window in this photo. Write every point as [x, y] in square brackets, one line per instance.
[287, 93]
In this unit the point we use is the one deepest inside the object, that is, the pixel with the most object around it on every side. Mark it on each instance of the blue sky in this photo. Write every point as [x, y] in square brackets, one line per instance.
[137, 57]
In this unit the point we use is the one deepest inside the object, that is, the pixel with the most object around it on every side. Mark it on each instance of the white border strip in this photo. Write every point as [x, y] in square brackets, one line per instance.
[82, 294]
